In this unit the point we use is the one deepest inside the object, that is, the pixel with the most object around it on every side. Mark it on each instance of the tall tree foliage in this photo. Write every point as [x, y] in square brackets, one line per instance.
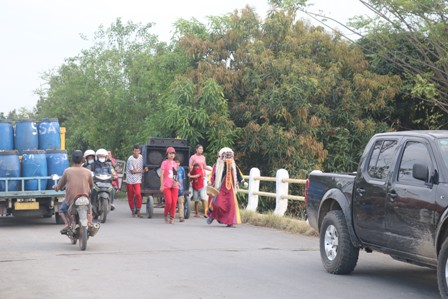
[422, 26]
[103, 95]
[294, 92]
[409, 39]
[282, 93]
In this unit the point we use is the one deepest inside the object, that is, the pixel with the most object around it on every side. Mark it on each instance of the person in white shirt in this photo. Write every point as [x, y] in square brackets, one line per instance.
[134, 173]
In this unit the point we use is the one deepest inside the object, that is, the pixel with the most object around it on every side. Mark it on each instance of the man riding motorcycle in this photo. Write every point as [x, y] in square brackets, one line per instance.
[101, 166]
[76, 180]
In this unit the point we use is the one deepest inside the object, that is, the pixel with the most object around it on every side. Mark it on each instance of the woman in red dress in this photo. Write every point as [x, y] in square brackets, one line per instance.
[225, 178]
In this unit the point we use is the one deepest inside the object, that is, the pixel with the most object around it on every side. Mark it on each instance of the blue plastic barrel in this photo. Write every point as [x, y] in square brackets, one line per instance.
[6, 136]
[57, 162]
[34, 164]
[49, 134]
[26, 135]
[9, 168]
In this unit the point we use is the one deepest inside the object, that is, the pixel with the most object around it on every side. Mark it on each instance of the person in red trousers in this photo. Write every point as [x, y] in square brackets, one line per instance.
[134, 173]
[169, 184]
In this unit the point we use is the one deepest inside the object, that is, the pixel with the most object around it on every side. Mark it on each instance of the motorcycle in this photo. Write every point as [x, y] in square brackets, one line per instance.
[101, 205]
[78, 222]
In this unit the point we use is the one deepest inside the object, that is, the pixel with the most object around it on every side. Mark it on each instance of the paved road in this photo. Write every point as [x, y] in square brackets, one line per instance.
[146, 258]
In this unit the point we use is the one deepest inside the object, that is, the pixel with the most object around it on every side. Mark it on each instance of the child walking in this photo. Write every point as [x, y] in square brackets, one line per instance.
[199, 190]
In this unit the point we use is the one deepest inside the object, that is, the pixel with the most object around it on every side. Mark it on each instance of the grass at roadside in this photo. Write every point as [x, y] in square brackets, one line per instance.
[281, 223]
[284, 223]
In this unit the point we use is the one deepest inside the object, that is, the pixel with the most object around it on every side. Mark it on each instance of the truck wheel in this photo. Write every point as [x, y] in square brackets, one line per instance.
[150, 206]
[442, 270]
[337, 252]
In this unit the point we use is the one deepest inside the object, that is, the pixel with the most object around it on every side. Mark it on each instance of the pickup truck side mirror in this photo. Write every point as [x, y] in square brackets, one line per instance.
[420, 172]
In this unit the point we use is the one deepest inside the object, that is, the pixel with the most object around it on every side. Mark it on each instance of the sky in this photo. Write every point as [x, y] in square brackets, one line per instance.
[37, 36]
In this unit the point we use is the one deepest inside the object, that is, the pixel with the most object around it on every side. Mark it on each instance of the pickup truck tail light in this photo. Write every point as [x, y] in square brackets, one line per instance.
[307, 186]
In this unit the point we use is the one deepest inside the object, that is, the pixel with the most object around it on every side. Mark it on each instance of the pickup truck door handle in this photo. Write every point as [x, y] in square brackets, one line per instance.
[392, 195]
[361, 191]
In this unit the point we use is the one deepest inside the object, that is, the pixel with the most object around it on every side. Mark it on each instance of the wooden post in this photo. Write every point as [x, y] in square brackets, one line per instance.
[254, 186]
[281, 188]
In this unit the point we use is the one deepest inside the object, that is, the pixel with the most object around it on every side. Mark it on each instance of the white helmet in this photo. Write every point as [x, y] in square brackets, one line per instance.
[89, 153]
[101, 152]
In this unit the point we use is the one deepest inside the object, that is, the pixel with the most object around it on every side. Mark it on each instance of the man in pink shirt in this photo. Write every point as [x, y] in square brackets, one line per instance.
[199, 158]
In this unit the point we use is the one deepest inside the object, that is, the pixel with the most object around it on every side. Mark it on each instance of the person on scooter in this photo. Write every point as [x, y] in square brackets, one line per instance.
[76, 180]
[101, 166]
[110, 159]
[89, 156]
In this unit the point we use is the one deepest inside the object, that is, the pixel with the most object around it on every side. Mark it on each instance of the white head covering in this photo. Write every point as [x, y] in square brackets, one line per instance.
[225, 152]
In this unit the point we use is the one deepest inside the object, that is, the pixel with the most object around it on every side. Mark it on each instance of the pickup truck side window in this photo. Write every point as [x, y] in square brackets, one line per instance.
[414, 152]
[381, 159]
[443, 146]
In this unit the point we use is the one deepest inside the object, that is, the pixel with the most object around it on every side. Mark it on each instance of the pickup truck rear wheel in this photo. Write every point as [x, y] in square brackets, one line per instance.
[338, 254]
[442, 270]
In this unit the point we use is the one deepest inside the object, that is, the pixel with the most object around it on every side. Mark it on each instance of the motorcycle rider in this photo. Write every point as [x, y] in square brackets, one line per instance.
[89, 156]
[76, 180]
[101, 166]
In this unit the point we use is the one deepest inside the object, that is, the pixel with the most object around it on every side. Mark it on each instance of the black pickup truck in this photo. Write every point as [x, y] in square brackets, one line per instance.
[396, 203]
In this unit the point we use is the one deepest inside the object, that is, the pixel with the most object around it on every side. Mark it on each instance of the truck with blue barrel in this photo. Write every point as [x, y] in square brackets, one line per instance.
[32, 159]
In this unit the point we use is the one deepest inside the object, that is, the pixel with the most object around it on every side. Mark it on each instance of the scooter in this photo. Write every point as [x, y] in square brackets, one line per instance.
[101, 205]
[78, 221]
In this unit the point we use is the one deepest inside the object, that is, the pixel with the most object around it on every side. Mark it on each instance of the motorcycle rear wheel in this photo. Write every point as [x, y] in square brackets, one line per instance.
[83, 237]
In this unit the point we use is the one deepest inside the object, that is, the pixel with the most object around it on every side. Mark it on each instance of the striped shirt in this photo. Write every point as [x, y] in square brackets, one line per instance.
[134, 164]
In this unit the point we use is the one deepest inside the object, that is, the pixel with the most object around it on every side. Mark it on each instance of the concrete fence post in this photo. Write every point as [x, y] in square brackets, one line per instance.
[281, 188]
[254, 186]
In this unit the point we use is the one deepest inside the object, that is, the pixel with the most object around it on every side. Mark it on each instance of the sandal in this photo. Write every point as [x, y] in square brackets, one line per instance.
[171, 221]
[64, 230]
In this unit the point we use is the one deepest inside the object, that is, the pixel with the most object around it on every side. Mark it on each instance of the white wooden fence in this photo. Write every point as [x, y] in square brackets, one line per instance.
[281, 195]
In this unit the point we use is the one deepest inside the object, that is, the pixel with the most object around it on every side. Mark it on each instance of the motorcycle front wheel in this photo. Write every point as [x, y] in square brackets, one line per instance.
[83, 237]
[104, 210]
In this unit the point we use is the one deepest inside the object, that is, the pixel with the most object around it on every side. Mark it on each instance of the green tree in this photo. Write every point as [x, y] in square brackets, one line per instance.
[291, 90]
[102, 95]
[405, 38]
[282, 93]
